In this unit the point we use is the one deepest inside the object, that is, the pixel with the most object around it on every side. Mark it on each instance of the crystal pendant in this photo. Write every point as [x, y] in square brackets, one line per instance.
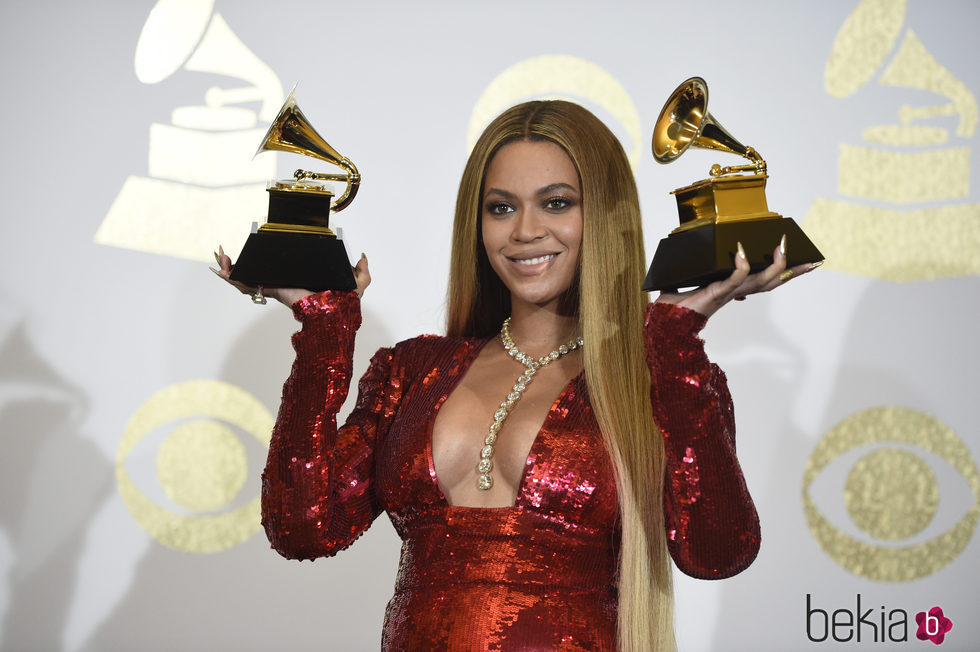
[485, 480]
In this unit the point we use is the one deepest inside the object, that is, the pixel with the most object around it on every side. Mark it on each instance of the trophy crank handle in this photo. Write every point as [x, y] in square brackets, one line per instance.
[758, 165]
[353, 179]
[717, 171]
[299, 175]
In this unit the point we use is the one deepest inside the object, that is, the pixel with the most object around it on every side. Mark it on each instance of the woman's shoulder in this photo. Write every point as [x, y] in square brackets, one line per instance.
[423, 353]
[434, 346]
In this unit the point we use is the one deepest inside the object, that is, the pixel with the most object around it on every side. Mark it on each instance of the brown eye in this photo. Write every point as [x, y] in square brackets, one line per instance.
[557, 203]
[499, 208]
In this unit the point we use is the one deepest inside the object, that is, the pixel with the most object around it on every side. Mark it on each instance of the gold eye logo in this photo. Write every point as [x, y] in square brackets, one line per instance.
[558, 77]
[201, 465]
[892, 494]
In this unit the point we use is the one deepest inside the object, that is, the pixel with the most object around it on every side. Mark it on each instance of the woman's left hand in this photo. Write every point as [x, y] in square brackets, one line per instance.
[707, 300]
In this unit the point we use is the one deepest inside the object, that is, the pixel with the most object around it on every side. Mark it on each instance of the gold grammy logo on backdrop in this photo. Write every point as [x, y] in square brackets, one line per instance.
[202, 180]
[899, 164]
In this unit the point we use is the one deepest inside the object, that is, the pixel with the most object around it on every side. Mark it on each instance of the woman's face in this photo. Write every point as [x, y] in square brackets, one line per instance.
[532, 220]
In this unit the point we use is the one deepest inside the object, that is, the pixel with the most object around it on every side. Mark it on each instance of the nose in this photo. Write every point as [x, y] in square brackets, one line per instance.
[528, 227]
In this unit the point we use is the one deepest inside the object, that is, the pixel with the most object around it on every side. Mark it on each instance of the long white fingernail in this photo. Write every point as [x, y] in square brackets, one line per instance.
[741, 252]
[782, 245]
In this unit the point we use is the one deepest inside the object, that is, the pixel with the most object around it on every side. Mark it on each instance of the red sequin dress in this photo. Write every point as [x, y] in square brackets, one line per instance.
[539, 575]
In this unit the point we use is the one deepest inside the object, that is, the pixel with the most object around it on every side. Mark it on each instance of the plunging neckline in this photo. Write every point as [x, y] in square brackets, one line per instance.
[430, 459]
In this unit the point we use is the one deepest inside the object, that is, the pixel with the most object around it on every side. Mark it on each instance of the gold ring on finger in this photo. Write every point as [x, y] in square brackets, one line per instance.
[258, 297]
[786, 275]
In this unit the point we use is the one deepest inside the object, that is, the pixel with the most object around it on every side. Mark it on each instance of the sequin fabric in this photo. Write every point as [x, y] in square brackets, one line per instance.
[538, 575]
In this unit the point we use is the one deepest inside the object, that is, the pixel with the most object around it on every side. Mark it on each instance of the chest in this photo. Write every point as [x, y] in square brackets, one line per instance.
[552, 458]
[472, 416]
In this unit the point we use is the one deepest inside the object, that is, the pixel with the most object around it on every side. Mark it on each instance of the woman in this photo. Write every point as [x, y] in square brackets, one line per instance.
[536, 492]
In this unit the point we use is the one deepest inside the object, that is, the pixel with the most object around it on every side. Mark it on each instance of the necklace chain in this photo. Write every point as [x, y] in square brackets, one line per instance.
[531, 364]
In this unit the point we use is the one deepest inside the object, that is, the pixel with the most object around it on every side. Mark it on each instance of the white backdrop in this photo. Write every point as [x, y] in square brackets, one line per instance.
[136, 389]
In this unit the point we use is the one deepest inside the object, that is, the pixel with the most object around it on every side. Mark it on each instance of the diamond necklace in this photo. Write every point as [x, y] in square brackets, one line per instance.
[485, 480]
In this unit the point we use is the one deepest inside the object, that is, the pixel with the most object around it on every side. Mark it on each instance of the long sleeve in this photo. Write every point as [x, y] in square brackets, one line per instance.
[317, 488]
[711, 522]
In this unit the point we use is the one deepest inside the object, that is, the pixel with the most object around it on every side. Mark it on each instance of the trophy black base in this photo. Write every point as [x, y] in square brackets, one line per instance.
[706, 254]
[294, 260]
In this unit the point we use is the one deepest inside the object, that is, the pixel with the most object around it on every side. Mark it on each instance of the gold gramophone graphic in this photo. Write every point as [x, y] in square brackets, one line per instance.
[719, 212]
[199, 179]
[905, 209]
[296, 247]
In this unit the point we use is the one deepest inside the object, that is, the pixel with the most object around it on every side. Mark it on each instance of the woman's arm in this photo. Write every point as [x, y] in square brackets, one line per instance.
[712, 525]
[318, 484]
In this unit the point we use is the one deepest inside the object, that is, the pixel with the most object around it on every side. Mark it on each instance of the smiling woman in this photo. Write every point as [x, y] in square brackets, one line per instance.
[534, 515]
[532, 222]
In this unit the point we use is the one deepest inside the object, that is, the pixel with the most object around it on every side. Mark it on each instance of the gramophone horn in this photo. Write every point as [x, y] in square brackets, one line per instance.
[685, 122]
[292, 132]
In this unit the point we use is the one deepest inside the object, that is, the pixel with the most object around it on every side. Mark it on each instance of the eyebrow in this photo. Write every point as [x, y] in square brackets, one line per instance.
[547, 190]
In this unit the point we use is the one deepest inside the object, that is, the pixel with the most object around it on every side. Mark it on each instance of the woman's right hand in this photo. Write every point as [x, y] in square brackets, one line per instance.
[286, 296]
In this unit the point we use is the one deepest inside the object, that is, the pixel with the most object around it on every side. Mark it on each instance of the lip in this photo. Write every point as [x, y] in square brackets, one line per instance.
[523, 265]
[534, 253]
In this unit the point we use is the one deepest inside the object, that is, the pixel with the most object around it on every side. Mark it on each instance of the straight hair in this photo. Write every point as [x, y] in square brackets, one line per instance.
[610, 305]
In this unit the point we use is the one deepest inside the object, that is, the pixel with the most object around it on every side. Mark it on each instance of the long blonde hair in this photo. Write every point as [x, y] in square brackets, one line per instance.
[610, 306]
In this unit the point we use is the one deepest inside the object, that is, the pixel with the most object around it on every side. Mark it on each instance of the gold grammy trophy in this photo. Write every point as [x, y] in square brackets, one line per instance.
[296, 247]
[719, 212]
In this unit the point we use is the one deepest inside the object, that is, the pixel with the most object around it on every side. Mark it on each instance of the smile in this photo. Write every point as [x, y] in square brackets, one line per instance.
[534, 261]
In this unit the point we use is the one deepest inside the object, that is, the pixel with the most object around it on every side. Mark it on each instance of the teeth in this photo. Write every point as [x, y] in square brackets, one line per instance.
[533, 261]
